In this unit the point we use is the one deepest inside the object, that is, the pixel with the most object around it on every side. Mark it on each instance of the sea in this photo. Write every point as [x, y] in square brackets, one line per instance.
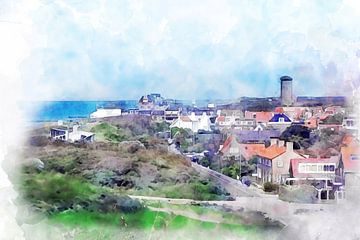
[45, 111]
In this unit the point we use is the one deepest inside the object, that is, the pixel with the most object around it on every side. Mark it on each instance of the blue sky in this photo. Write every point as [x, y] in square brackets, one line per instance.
[190, 49]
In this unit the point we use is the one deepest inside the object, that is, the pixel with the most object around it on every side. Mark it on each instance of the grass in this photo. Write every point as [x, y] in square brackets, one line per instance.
[144, 220]
[107, 132]
[195, 189]
[56, 188]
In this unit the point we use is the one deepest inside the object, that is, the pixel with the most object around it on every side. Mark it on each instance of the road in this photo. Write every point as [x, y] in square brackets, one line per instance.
[253, 199]
[233, 186]
[273, 208]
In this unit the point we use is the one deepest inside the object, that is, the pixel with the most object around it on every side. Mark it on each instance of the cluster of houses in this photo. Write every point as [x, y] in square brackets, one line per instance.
[255, 135]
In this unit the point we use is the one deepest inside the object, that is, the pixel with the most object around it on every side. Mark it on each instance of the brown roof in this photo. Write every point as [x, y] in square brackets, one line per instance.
[350, 156]
[259, 116]
[220, 119]
[250, 150]
[272, 152]
[185, 119]
[227, 144]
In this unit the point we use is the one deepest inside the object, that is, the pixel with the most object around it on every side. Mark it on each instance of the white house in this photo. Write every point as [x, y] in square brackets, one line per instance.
[192, 122]
[227, 122]
[71, 135]
[106, 112]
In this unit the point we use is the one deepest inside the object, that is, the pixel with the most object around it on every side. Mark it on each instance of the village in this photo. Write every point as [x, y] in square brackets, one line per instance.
[273, 144]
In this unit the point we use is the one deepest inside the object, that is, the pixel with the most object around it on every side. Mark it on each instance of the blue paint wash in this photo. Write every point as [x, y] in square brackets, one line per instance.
[62, 110]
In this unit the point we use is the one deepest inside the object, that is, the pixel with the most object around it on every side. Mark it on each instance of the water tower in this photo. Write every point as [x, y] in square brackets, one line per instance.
[286, 91]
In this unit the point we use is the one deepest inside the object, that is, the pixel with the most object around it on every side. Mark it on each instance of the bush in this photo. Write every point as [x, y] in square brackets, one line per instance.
[300, 193]
[39, 141]
[271, 187]
[205, 162]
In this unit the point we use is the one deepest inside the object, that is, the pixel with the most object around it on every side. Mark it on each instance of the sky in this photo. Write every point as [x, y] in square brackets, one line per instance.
[116, 49]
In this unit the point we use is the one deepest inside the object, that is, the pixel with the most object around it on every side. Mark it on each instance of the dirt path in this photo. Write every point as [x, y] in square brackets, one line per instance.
[190, 214]
[272, 207]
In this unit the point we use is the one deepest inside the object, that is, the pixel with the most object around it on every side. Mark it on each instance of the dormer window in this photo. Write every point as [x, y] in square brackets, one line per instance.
[281, 119]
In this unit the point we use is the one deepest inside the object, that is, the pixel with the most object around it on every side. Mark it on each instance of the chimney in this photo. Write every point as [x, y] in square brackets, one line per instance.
[289, 146]
[273, 141]
[75, 128]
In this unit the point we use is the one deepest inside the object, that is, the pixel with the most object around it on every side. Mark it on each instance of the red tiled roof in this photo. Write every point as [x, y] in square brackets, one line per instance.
[272, 152]
[185, 118]
[348, 140]
[259, 116]
[324, 116]
[220, 119]
[251, 149]
[279, 110]
[311, 122]
[350, 156]
[227, 143]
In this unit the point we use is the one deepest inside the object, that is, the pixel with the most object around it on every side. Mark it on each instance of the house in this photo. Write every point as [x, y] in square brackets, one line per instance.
[350, 124]
[78, 135]
[331, 110]
[233, 148]
[172, 113]
[332, 127]
[295, 113]
[133, 110]
[106, 112]
[145, 112]
[73, 134]
[280, 121]
[260, 117]
[158, 115]
[274, 161]
[262, 127]
[193, 122]
[59, 133]
[230, 112]
[311, 123]
[323, 173]
[234, 122]
[200, 111]
[350, 170]
[251, 136]
[151, 101]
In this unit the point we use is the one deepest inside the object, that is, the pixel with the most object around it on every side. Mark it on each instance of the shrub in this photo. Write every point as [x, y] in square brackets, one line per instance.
[39, 141]
[271, 187]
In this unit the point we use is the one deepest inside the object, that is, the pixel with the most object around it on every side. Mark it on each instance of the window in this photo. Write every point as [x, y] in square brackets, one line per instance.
[354, 157]
[302, 168]
[281, 119]
[329, 168]
[234, 150]
[280, 163]
[350, 123]
[313, 168]
[316, 168]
